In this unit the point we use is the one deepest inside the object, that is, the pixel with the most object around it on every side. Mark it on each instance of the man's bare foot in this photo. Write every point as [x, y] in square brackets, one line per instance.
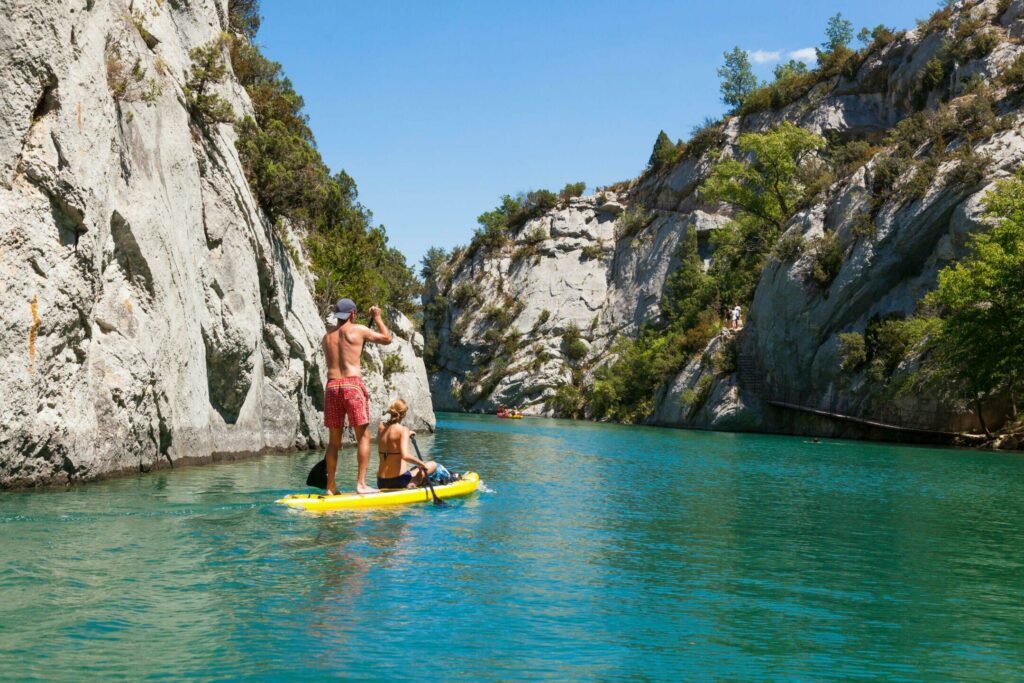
[333, 493]
[363, 488]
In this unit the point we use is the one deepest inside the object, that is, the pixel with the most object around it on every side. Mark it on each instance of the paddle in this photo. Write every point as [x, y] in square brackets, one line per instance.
[317, 477]
[426, 475]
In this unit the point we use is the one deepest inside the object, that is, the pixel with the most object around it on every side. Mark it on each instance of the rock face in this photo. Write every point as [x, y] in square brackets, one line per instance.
[153, 316]
[604, 271]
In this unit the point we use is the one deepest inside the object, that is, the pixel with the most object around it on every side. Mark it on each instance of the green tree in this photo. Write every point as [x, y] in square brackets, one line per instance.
[433, 263]
[244, 17]
[665, 152]
[688, 289]
[980, 339]
[571, 190]
[790, 69]
[838, 34]
[738, 79]
[764, 182]
[208, 69]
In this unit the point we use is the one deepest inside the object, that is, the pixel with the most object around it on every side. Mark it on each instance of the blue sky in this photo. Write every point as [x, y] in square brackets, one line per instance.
[439, 107]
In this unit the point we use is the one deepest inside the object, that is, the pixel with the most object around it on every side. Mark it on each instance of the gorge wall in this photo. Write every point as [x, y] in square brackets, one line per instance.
[500, 318]
[153, 316]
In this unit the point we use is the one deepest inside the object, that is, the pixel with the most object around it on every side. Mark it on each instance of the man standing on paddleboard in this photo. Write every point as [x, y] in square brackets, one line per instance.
[346, 394]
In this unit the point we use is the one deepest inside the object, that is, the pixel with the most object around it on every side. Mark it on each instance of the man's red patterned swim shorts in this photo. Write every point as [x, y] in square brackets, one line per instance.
[346, 396]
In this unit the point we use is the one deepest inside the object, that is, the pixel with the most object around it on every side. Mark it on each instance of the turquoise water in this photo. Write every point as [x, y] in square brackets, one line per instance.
[603, 552]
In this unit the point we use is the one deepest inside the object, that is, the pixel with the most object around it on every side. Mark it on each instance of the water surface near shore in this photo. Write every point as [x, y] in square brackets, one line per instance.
[603, 552]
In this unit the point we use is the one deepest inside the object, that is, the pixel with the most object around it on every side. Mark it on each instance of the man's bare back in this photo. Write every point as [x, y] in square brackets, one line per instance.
[343, 346]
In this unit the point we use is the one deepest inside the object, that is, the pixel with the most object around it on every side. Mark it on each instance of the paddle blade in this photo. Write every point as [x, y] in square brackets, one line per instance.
[317, 477]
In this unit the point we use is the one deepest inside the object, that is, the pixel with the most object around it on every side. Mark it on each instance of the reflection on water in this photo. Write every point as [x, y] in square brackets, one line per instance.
[605, 552]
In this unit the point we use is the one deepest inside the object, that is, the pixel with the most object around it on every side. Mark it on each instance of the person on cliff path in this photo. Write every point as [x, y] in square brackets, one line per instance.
[346, 395]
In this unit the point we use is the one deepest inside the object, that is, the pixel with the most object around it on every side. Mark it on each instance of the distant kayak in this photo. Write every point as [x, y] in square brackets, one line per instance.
[511, 417]
[318, 502]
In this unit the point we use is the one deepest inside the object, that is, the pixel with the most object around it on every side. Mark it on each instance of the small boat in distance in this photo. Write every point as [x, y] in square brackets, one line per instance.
[509, 413]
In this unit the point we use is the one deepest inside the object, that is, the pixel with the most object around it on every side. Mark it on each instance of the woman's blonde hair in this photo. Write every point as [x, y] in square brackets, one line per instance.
[396, 411]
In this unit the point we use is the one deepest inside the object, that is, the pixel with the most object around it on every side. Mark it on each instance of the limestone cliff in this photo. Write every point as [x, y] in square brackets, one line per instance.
[600, 264]
[153, 316]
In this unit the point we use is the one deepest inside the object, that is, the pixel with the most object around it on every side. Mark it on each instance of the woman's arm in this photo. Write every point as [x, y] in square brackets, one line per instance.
[407, 451]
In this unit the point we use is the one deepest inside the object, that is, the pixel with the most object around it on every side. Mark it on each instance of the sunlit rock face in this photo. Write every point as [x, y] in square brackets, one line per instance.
[152, 315]
[609, 281]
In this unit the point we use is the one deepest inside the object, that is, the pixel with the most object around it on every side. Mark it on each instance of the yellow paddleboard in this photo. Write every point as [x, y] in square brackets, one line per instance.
[318, 502]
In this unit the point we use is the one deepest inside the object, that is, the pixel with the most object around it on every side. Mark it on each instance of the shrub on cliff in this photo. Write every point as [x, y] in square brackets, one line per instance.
[665, 152]
[826, 260]
[208, 70]
[570, 191]
[567, 401]
[852, 352]
[349, 255]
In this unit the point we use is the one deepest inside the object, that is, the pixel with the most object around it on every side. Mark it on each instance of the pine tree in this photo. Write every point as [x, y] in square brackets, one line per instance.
[665, 152]
[738, 79]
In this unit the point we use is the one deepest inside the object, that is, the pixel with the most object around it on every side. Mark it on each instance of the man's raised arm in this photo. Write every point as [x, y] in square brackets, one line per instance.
[382, 335]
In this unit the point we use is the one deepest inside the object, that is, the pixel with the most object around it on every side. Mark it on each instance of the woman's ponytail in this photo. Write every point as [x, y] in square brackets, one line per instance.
[396, 411]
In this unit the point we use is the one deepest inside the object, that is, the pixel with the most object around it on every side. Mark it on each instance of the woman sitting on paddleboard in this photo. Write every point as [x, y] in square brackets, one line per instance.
[395, 451]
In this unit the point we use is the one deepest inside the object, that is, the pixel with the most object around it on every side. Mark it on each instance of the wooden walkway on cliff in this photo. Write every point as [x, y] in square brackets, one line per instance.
[751, 379]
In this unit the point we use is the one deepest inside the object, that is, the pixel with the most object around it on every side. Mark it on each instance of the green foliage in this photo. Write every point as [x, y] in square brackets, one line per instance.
[567, 401]
[466, 292]
[853, 352]
[826, 260]
[665, 152]
[348, 254]
[978, 347]
[392, 364]
[571, 190]
[864, 225]
[737, 76]
[530, 244]
[244, 18]
[688, 289]
[876, 38]
[703, 138]
[838, 33]
[209, 68]
[940, 20]
[970, 168]
[593, 251]
[632, 221]
[788, 87]
[1013, 75]
[502, 315]
[542, 319]
[434, 264]
[129, 84]
[497, 226]
[624, 390]
[766, 188]
[698, 396]
[573, 346]
[727, 356]
[790, 247]
[850, 156]
[789, 69]
[887, 342]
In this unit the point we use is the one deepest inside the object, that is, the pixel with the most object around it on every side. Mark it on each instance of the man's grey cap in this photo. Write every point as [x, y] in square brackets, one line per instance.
[344, 309]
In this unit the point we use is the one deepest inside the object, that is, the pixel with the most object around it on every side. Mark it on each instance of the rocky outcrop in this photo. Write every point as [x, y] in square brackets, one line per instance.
[604, 271]
[154, 317]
